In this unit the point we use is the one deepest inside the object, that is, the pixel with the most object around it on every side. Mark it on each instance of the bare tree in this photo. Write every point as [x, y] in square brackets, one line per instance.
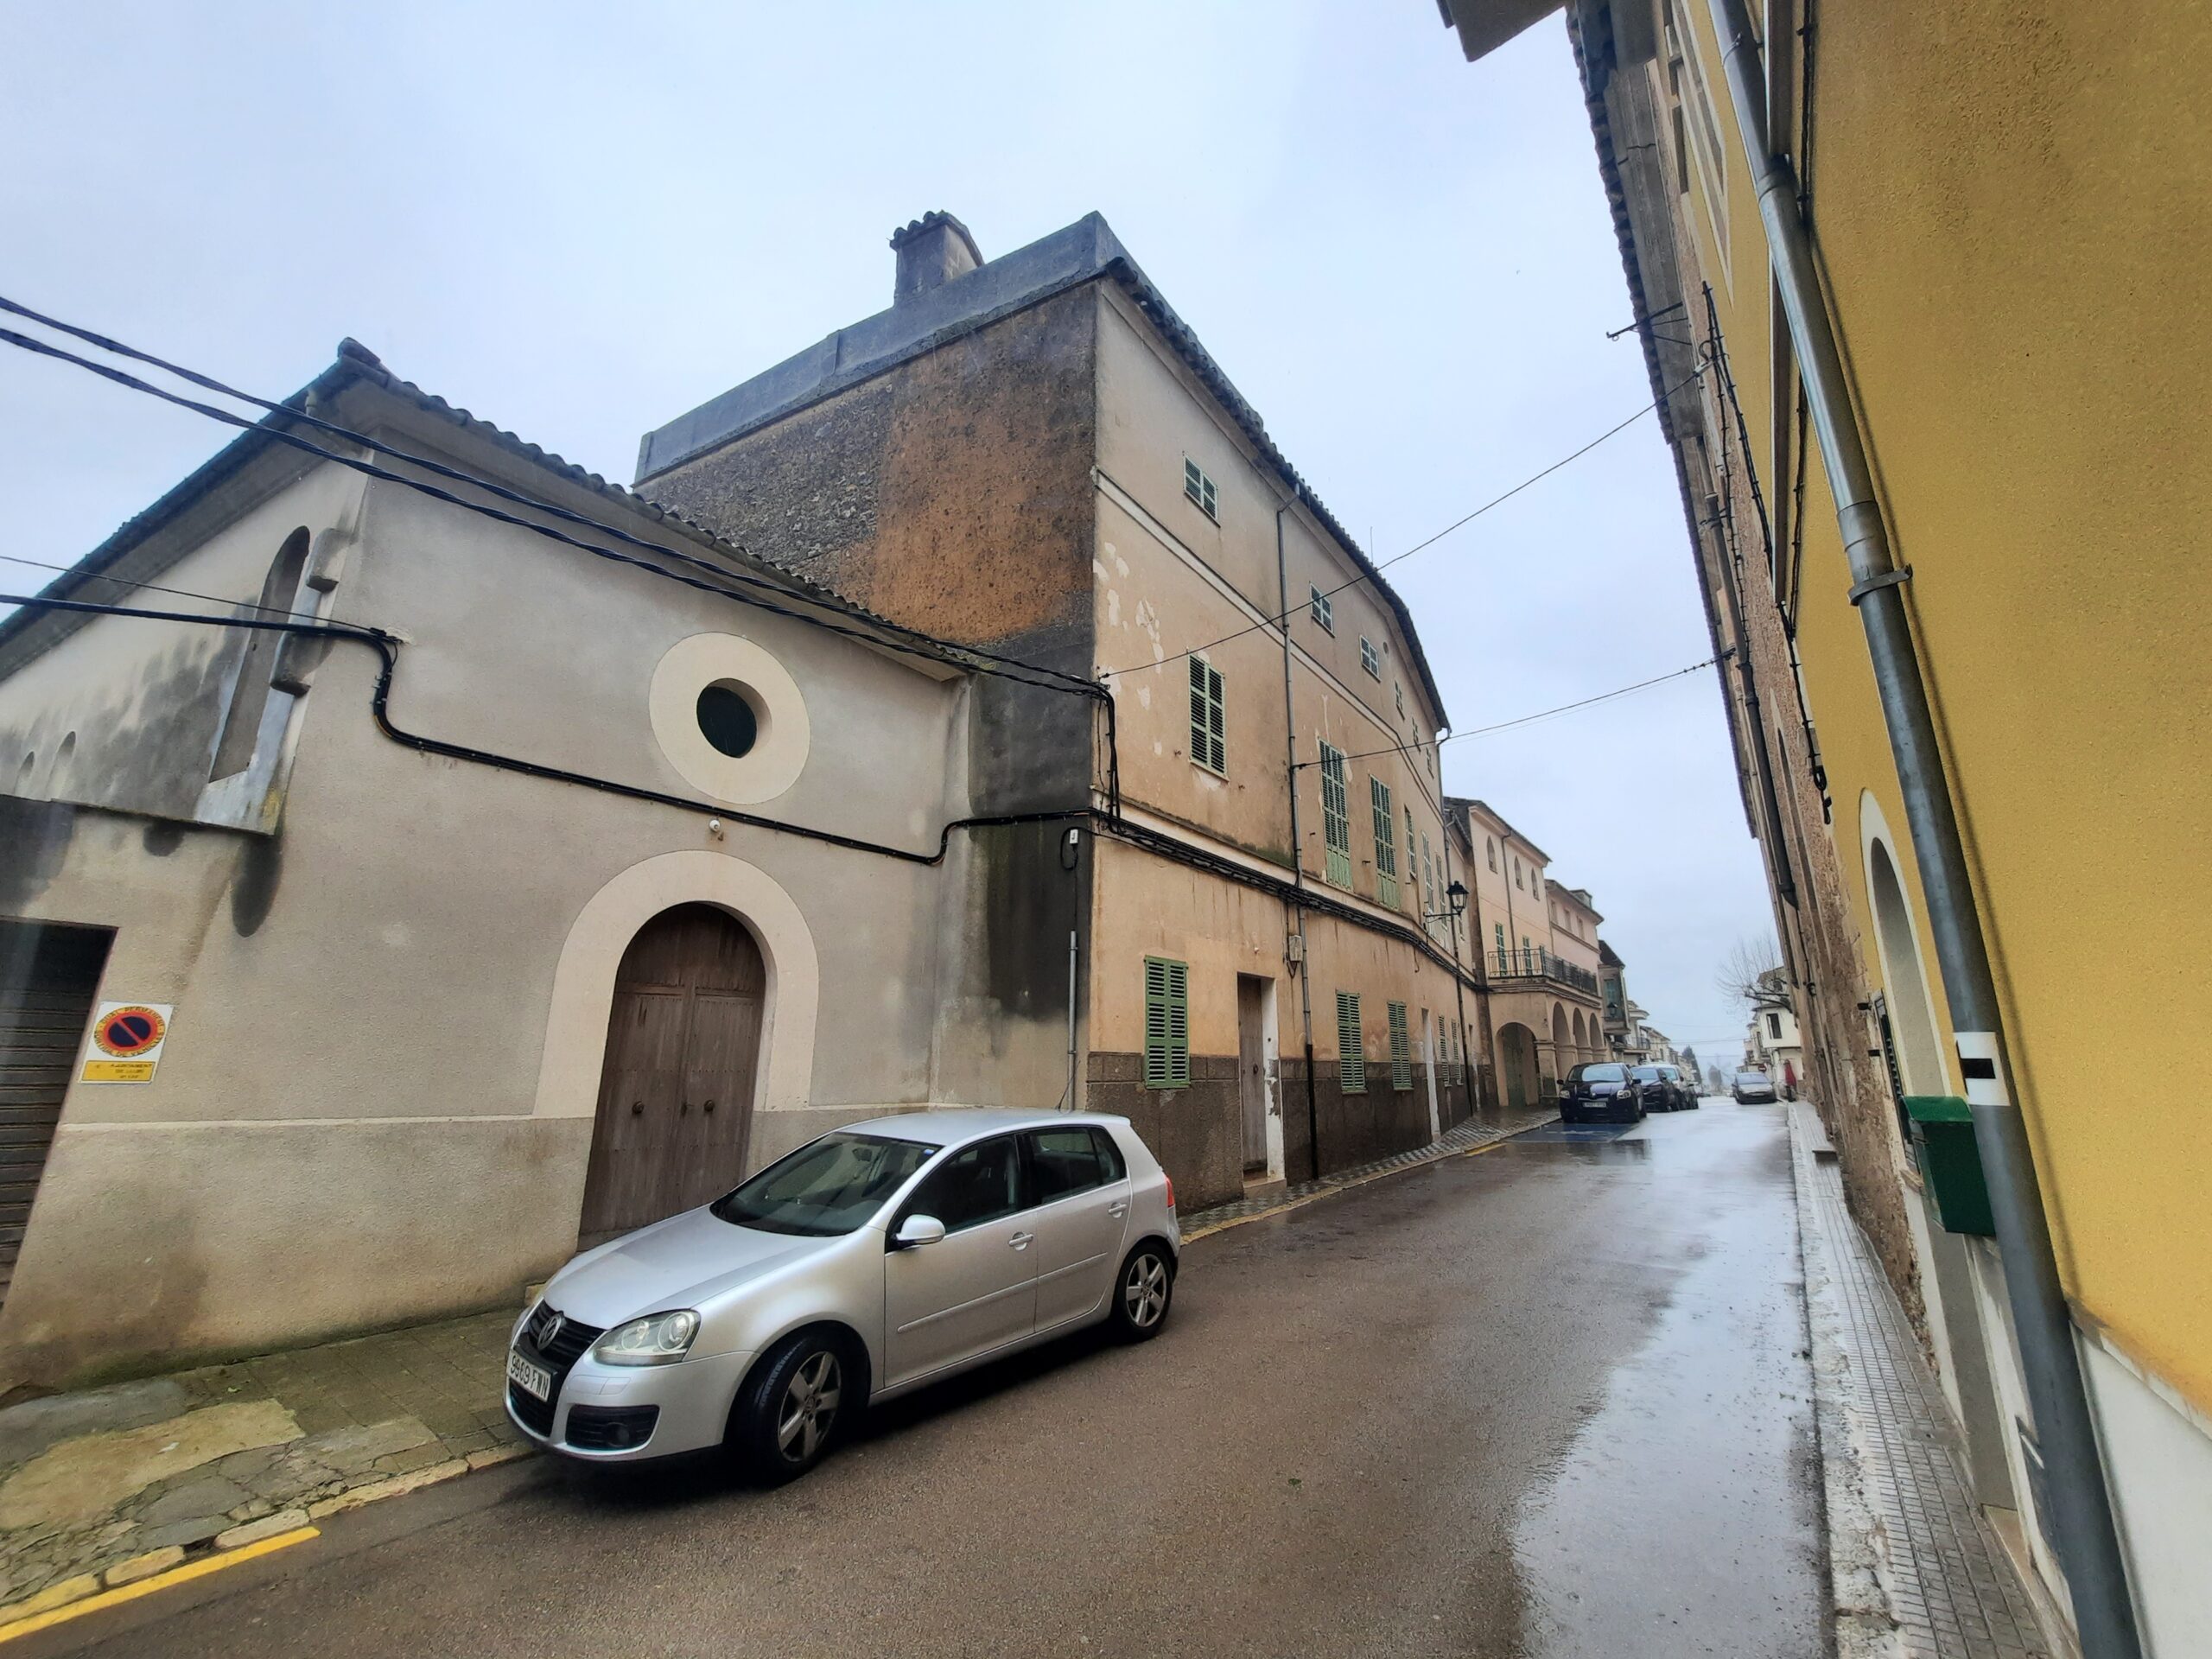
[1752, 975]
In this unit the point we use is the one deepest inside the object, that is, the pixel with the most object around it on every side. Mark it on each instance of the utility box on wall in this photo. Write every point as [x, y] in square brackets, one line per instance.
[1942, 1134]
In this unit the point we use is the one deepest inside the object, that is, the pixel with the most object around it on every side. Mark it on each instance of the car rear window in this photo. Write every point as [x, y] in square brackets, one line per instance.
[1648, 1072]
[1599, 1072]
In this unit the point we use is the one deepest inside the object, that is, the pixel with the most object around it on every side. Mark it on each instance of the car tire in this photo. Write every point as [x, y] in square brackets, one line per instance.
[778, 1427]
[1143, 1290]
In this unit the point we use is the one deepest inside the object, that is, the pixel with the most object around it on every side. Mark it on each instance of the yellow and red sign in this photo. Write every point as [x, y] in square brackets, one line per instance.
[127, 1039]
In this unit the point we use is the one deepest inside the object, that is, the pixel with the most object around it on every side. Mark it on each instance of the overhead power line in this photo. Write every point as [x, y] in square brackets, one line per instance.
[1458, 524]
[1542, 713]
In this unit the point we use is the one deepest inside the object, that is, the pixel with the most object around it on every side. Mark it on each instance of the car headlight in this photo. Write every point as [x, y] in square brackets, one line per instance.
[657, 1339]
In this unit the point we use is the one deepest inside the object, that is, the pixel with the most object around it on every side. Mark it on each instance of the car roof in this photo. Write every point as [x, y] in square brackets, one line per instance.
[950, 1125]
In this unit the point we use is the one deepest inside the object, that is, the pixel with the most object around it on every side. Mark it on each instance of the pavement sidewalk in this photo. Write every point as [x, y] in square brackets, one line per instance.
[111, 1486]
[1916, 1570]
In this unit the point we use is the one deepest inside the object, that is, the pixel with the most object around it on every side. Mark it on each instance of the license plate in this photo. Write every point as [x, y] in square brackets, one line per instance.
[533, 1379]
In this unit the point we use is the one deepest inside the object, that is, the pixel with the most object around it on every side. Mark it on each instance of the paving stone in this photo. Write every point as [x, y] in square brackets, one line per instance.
[202, 1494]
[269, 1527]
[143, 1566]
[353, 1448]
[197, 1530]
[417, 1456]
[55, 1595]
[29, 1428]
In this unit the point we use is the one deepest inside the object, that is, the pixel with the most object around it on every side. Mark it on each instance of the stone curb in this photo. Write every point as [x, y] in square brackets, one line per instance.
[1345, 1180]
[75, 1589]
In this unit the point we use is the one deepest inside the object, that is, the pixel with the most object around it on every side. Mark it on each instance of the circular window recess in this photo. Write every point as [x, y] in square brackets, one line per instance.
[727, 719]
[729, 716]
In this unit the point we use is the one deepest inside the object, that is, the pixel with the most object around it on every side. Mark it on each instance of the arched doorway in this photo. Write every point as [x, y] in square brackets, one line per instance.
[677, 1084]
[1562, 1043]
[1581, 1037]
[1516, 1053]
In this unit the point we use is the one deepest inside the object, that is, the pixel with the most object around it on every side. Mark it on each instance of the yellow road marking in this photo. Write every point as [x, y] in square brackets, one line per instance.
[1304, 1198]
[189, 1570]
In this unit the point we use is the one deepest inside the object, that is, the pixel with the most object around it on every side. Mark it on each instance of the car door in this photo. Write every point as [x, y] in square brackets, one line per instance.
[975, 1288]
[1082, 1188]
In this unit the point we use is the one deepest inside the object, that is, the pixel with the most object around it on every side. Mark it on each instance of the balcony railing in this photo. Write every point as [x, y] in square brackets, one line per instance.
[1534, 962]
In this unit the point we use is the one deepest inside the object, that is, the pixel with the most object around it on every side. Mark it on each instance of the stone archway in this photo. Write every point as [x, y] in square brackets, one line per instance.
[1517, 1065]
[1562, 1054]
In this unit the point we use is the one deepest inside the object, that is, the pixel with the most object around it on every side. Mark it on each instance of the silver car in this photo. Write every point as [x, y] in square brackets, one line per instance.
[879, 1257]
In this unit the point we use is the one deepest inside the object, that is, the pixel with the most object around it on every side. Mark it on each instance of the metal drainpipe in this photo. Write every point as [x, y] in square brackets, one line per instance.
[2088, 1543]
[1297, 853]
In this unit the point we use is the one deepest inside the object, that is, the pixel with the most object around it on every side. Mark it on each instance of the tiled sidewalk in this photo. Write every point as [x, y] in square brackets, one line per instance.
[1944, 1581]
[114, 1484]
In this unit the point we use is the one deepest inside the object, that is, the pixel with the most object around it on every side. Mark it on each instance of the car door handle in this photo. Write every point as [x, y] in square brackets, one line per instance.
[1119, 1208]
[1020, 1241]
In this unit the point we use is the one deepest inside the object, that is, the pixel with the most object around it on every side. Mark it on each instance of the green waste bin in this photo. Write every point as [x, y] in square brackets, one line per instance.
[1950, 1162]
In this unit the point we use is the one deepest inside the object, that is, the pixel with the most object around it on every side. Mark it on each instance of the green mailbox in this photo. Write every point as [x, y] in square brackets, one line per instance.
[1942, 1134]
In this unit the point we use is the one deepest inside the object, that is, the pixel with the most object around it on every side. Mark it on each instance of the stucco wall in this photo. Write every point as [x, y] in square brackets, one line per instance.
[352, 1123]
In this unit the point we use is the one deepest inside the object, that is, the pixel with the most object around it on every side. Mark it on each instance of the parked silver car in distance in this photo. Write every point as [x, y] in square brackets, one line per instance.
[875, 1259]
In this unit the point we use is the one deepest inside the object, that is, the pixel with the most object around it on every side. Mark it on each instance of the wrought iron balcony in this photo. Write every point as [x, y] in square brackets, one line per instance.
[1534, 962]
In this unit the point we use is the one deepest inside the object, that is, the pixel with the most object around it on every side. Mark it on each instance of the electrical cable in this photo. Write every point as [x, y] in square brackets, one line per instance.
[981, 662]
[386, 645]
[1543, 714]
[1456, 524]
[152, 586]
[463, 476]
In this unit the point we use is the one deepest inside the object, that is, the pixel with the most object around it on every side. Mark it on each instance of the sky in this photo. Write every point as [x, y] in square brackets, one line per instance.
[581, 221]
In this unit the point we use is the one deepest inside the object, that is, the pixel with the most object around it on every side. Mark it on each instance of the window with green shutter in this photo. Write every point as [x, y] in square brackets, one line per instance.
[1336, 815]
[1166, 1024]
[1206, 721]
[1351, 1060]
[1386, 843]
[1401, 1049]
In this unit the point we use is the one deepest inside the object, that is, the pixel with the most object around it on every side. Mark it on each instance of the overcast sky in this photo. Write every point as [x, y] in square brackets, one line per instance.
[582, 221]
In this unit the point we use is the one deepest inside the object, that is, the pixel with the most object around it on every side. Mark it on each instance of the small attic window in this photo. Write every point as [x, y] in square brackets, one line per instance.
[1200, 489]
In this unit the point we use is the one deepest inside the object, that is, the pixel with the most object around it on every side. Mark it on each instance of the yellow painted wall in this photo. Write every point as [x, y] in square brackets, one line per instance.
[2012, 206]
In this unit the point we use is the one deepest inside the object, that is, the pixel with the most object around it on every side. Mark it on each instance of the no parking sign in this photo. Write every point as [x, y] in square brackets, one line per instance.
[127, 1039]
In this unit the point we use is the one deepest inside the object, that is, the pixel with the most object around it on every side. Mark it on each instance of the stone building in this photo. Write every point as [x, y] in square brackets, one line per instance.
[1034, 455]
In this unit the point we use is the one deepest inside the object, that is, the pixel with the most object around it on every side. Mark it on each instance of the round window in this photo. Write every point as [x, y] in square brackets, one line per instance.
[727, 719]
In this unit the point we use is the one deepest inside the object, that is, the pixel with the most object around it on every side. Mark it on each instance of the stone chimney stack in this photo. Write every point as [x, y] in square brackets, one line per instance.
[933, 250]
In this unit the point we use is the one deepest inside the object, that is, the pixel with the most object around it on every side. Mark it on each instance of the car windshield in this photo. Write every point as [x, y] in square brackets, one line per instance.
[827, 1187]
[1598, 1073]
[1648, 1072]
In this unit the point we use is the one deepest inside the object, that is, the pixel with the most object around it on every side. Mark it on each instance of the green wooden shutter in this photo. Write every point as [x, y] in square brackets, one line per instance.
[1401, 1049]
[1385, 842]
[1351, 1060]
[1207, 721]
[1336, 815]
[1166, 1024]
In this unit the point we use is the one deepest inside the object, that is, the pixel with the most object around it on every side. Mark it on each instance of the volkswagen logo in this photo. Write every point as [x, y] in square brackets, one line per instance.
[548, 1328]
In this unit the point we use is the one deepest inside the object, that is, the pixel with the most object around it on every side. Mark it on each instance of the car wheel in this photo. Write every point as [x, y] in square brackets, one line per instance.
[791, 1408]
[1142, 1292]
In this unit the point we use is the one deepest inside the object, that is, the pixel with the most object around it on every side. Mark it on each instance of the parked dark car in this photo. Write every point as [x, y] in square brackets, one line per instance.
[1754, 1089]
[1601, 1091]
[1664, 1090]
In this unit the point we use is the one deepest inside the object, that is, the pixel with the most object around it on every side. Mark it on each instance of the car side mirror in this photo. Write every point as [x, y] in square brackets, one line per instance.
[917, 1230]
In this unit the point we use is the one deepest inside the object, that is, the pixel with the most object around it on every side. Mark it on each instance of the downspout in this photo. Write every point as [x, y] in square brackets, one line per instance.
[1297, 851]
[2088, 1543]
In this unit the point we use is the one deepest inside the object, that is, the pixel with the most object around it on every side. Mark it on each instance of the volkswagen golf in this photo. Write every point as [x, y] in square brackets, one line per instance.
[876, 1259]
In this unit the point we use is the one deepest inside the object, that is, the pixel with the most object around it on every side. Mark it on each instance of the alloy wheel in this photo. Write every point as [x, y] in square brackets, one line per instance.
[1144, 1291]
[809, 1407]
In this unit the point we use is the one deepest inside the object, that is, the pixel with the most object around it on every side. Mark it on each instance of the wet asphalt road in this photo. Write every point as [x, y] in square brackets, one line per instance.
[1550, 1400]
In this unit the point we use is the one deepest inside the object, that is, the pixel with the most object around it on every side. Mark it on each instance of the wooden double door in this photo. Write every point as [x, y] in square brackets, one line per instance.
[676, 1088]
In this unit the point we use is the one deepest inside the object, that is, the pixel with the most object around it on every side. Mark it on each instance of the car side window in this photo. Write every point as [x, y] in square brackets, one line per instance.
[1065, 1161]
[979, 1184]
[1109, 1155]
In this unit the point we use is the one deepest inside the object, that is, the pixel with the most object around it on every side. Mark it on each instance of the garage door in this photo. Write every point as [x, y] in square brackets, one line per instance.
[48, 976]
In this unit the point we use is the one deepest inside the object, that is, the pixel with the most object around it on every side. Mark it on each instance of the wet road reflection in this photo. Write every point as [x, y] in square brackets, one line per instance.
[1681, 1518]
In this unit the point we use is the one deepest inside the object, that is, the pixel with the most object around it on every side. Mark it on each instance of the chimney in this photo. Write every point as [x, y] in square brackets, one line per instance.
[933, 250]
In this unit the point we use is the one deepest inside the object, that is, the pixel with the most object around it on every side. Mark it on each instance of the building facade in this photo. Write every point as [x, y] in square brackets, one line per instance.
[1034, 455]
[495, 896]
[1986, 351]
